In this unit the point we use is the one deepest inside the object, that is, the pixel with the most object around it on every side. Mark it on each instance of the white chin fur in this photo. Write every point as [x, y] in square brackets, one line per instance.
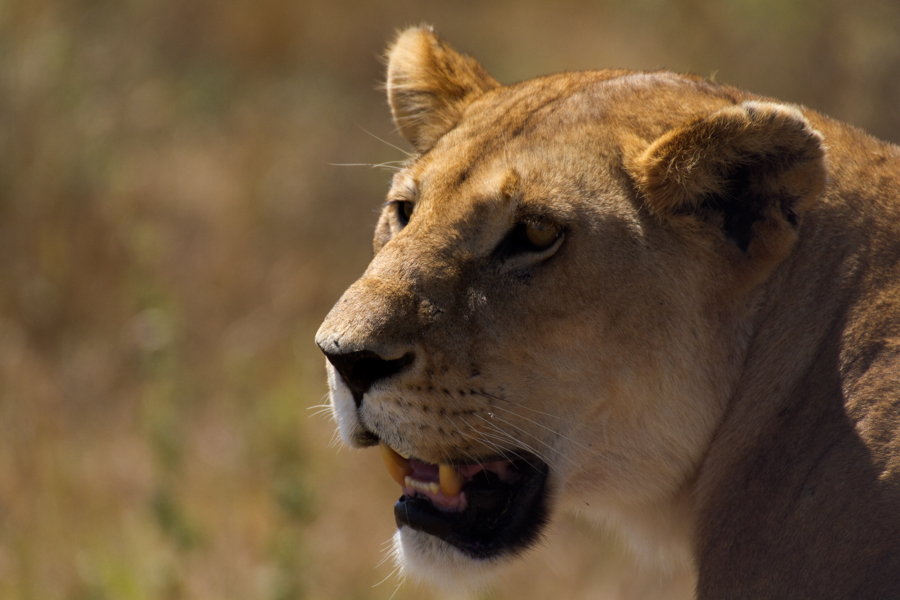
[343, 406]
[425, 558]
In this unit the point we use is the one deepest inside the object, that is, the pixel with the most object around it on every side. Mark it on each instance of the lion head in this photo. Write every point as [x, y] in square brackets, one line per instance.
[565, 279]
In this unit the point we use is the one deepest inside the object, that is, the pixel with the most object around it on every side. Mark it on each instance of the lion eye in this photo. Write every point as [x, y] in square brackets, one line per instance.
[538, 238]
[540, 235]
[404, 212]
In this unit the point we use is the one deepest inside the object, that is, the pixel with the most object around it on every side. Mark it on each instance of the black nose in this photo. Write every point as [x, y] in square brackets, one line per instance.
[360, 370]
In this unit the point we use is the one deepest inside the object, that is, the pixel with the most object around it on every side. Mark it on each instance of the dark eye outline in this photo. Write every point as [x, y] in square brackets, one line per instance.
[405, 210]
[527, 229]
[517, 242]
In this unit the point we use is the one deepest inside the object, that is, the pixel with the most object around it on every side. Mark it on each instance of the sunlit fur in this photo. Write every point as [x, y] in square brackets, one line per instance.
[426, 559]
[699, 360]
[343, 407]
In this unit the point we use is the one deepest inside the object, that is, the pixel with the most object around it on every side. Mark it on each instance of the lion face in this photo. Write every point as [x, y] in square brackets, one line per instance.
[546, 322]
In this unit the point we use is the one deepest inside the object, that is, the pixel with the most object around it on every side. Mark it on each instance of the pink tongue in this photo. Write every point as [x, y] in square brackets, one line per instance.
[470, 470]
[427, 472]
[430, 473]
[423, 471]
[502, 468]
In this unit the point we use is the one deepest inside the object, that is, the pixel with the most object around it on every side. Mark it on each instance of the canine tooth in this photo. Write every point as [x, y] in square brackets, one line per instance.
[396, 465]
[451, 480]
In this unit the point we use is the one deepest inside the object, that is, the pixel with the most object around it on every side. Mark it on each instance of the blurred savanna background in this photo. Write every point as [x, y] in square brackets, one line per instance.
[174, 225]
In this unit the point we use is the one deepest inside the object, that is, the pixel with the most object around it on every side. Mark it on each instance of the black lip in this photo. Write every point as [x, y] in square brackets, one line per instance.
[499, 518]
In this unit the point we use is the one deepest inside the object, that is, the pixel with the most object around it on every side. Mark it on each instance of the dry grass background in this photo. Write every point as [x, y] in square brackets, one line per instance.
[172, 232]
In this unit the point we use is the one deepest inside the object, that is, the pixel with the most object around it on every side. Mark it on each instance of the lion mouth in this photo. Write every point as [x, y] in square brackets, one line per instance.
[484, 509]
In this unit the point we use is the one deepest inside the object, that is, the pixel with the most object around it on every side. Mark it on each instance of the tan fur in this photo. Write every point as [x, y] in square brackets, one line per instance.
[429, 85]
[709, 360]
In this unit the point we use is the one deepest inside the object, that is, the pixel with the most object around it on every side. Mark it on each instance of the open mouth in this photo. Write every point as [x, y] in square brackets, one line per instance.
[484, 509]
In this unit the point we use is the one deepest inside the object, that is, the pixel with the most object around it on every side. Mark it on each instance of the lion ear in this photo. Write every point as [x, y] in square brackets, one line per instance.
[749, 169]
[429, 85]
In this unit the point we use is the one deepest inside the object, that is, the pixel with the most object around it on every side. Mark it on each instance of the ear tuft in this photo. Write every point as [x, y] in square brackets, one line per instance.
[750, 169]
[429, 85]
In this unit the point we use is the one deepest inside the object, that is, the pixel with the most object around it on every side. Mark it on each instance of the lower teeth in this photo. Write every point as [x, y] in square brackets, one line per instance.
[424, 486]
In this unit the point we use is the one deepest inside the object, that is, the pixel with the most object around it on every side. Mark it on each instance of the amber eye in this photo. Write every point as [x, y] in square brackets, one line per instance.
[404, 211]
[541, 235]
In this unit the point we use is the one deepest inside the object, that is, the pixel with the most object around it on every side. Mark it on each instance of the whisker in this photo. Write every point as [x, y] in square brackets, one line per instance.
[391, 574]
[552, 416]
[473, 438]
[387, 162]
[559, 433]
[466, 454]
[384, 165]
[396, 589]
[507, 437]
[335, 440]
[541, 441]
[386, 551]
[322, 410]
[550, 429]
[540, 454]
[540, 412]
[481, 438]
[385, 142]
[532, 452]
[499, 434]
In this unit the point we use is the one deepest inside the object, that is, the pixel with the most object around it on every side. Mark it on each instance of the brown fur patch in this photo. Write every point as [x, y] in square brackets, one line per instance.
[750, 169]
[429, 85]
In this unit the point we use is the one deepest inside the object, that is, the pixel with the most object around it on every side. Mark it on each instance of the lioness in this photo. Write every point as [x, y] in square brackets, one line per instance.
[670, 304]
